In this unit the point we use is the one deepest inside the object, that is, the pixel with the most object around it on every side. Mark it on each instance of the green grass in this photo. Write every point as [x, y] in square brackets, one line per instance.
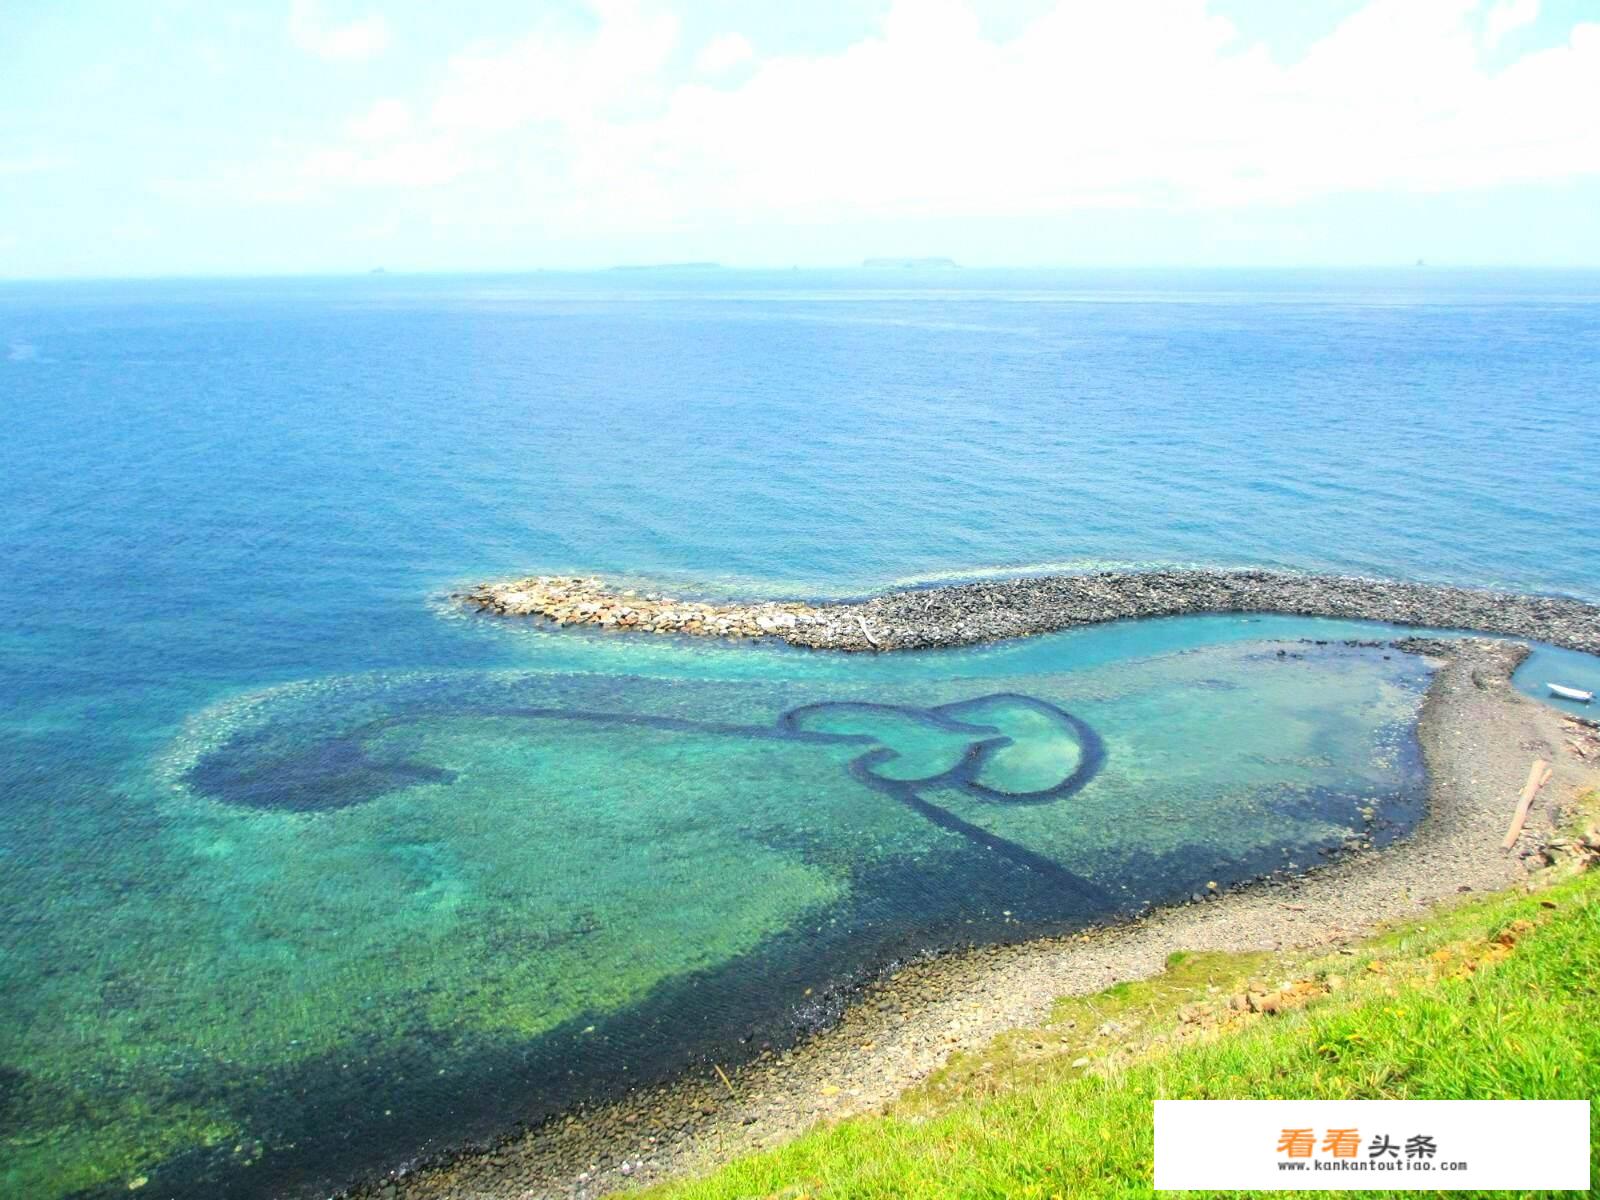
[1498, 998]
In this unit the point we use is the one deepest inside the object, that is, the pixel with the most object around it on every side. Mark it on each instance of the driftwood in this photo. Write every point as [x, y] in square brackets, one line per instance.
[1538, 775]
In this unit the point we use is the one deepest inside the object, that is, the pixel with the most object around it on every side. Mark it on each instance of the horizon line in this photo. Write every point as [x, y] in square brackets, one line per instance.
[940, 265]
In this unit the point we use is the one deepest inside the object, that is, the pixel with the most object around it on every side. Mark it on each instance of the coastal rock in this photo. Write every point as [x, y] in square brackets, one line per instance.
[963, 614]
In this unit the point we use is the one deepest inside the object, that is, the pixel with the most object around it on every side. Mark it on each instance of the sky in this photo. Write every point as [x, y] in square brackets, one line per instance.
[172, 137]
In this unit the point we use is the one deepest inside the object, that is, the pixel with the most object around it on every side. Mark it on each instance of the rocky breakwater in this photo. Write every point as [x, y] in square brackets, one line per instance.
[577, 600]
[962, 614]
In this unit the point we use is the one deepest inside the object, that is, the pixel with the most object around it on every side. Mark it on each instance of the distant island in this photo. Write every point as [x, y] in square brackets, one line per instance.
[676, 266]
[912, 263]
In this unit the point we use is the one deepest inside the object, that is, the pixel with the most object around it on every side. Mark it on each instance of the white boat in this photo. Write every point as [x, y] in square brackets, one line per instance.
[1567, 693]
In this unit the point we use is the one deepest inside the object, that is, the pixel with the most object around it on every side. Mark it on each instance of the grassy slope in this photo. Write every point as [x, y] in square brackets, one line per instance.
[1498, 998]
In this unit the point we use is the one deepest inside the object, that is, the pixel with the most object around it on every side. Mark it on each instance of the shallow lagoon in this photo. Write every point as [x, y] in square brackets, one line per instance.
[334, 921]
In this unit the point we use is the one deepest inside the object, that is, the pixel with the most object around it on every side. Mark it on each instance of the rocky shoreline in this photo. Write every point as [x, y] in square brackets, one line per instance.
[967, 613]
[1477, 734]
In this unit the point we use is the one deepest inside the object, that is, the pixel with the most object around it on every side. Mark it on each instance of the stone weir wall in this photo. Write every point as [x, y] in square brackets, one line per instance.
[962, 614]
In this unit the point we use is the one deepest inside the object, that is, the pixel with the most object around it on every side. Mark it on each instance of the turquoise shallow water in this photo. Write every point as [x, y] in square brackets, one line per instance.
[439, 894]
[303, 872]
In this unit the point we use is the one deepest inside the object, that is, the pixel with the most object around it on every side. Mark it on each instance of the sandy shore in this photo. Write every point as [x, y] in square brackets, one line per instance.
[1478, 736]
[963, 614]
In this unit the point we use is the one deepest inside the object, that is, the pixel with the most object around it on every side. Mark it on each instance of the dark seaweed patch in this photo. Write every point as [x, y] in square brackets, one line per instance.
[316, 775]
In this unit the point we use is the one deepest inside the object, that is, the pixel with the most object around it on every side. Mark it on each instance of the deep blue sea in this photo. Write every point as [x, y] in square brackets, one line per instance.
[304, 872]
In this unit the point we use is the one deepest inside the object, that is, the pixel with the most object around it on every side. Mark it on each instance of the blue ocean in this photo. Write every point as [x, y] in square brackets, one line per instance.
[306, 872]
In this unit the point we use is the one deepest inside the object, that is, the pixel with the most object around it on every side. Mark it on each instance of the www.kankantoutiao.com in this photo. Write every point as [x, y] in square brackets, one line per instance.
[1339, 1164]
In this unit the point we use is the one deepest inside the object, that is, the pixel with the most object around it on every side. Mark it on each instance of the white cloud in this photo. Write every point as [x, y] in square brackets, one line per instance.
[1154, 103]
[385, 120]
[378, 231]
[723, 53]
[559, 74]
[211, 57]
[358, 40]
[1508, 16]
[415, 164]
[32, 164]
